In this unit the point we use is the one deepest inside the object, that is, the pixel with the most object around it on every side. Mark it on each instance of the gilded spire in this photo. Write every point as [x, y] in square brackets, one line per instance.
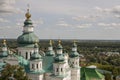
[4, 41]
[50, 42]
[59, 41]
[36, 44]
[74, 43]
[28, 15]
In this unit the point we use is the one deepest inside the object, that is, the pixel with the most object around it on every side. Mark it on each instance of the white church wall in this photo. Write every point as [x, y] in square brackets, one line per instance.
[22, 51]
[36, 76]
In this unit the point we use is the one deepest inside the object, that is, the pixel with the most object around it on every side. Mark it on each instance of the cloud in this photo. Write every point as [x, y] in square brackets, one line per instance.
[89, 17]
[84, 26]
[109, 25]
[63, 23]
[3, 20]
[73, 26]
[115, 9]
[117, 16]
[39, 21]
[7, 7]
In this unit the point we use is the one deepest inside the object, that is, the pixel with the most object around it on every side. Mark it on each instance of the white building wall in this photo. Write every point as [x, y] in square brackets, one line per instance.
[22, 51]
[36, 65]
[28, 29]
[47, 76]
[36, 76]
[75, 74]
[12, 60]
[59, 69]
[74, 62]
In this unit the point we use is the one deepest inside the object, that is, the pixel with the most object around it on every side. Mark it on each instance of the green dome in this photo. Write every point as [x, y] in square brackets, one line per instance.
[74, 45]
[59, 46]
[27, 22]
[27, 38]
[74, 54]
[4, 54]
[50, 53]
[35, 56]
[59, 58]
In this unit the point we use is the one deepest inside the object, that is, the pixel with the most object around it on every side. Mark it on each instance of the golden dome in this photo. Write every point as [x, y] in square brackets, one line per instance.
[59, 41]
[28, 15]
[4, 41]
[50, 42]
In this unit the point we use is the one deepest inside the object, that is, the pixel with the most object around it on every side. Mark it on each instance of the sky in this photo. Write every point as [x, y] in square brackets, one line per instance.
[62, 19]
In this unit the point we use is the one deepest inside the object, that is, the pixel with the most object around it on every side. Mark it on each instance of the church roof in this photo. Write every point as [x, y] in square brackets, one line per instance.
[90, 74]
[48, 63]
[74, 54]
[59, 58]
[50, 53]
[4, 54]
[27, 38]
[35, 56]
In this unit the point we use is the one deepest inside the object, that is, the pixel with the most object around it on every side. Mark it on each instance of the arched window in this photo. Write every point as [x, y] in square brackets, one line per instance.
[20, 53]
[37, 66]
[30, 54]
[73, 62]
[32, 66]
[61, 70]
[26, 55]
[56, 69]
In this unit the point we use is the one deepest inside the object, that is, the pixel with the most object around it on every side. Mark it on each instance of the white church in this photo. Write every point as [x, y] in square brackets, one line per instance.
[53, 65]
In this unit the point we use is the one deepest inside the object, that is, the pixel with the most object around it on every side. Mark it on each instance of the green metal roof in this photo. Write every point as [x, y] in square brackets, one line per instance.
[37, 72]
[2, 66]
[27, 22]
[4, 54]
[35, 56]
[74, 54]
[59, 76]
[59, 46]
[28, 38]
[59, 58]
[90, 74]
[74, 45]
[50, 53]
[48, 63]
[26, 45]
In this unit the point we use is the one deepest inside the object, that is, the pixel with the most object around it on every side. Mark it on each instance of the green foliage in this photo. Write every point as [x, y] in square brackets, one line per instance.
[108, 76]
[14, 71]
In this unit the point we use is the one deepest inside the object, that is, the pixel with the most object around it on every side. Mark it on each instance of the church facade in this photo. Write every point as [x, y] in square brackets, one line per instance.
[53, 65]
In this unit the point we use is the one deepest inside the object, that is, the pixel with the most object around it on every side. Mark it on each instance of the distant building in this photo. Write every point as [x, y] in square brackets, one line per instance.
[109, 53]
[118, 77]
[50, 65]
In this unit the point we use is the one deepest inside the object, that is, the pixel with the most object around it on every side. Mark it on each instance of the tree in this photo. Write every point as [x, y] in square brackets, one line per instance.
[13, 72]
[108, 76]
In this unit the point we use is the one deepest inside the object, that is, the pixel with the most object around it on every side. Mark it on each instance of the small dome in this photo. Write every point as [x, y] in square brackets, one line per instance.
[27, 38]
[59, 58]
[36, 45]
[74, 54]
[4, 54]
[28, 15]
[50, 53]
[74, 44]
[59, 45]
[4, 43]
[27, 22]
[35, 56]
